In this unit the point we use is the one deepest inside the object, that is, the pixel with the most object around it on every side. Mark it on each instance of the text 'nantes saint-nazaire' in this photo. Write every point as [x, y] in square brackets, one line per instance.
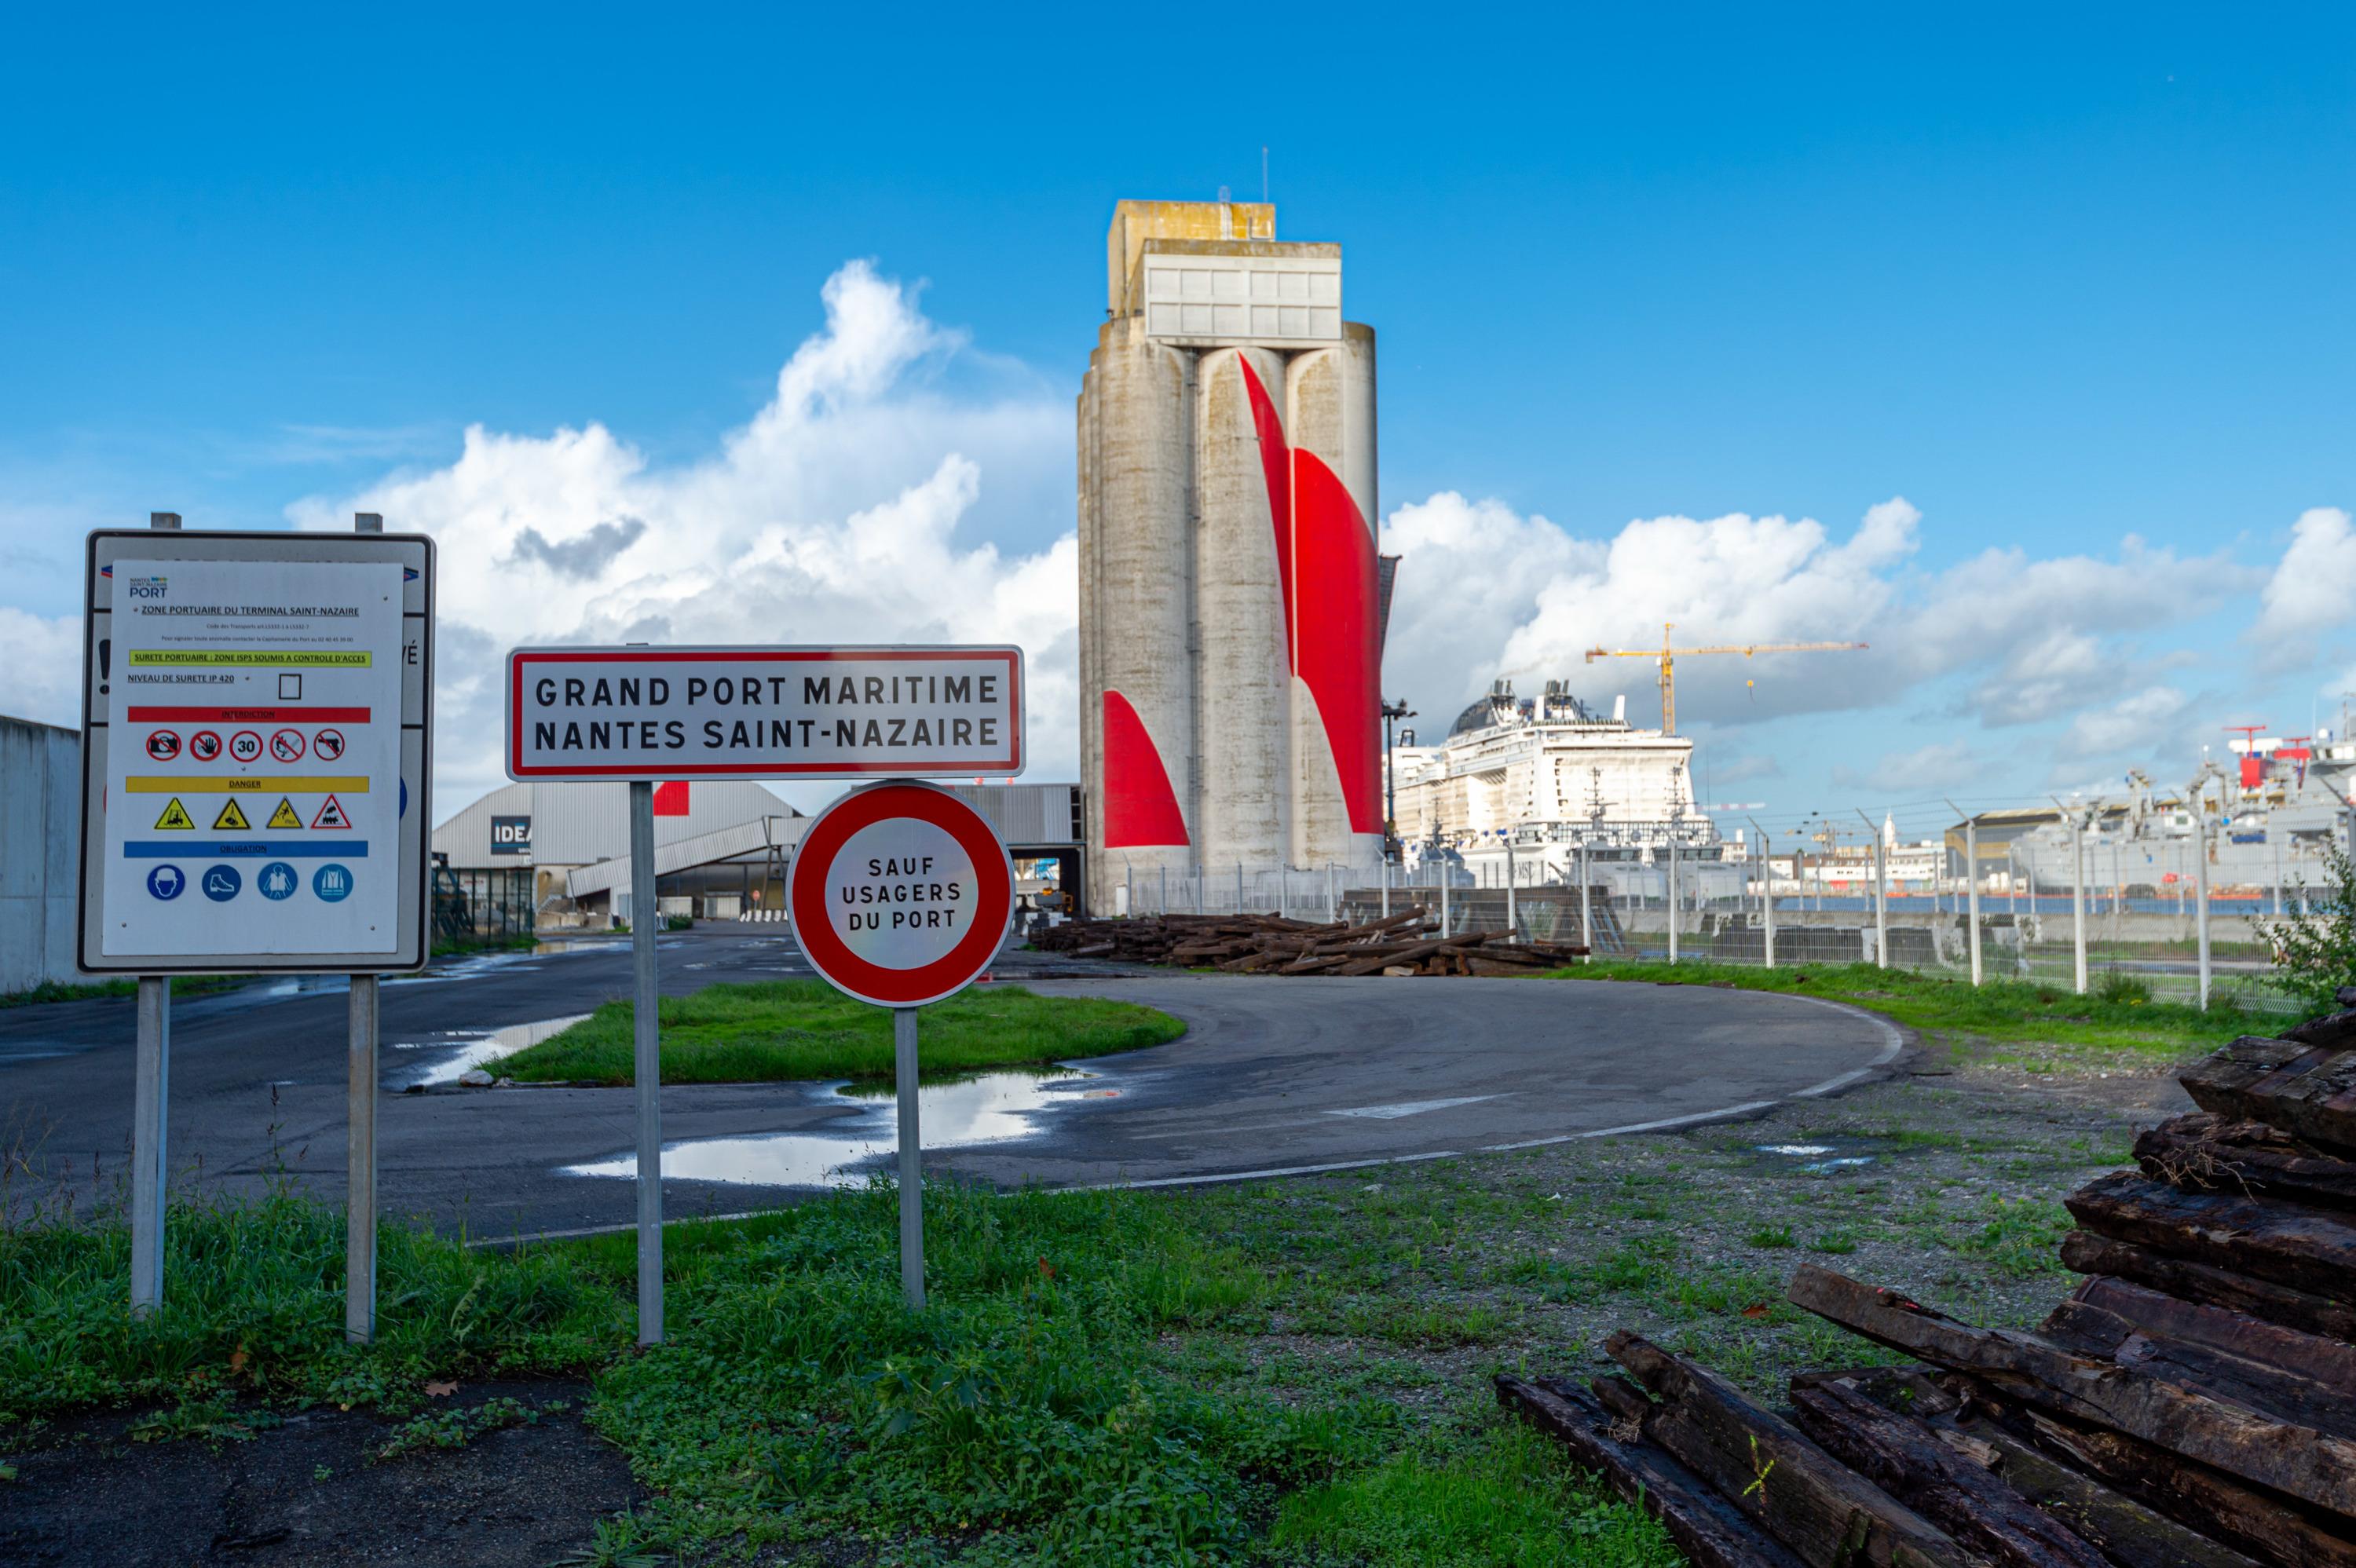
[840, 719]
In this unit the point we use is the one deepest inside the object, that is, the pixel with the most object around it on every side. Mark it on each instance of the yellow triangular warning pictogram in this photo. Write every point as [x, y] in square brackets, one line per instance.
[331, 815]
[286, 816]
[231, 817]
[177, 815]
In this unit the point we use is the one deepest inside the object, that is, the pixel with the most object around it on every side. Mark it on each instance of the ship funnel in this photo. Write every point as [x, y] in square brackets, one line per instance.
[1620, 708]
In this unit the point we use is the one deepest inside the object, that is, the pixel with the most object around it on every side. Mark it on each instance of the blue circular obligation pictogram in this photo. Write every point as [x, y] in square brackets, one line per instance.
[332, 883]
[222, 883]
[277, 880]
[167, 882]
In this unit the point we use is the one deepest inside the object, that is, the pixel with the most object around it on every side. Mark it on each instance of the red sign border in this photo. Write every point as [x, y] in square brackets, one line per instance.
[897, 767]
[847, 971]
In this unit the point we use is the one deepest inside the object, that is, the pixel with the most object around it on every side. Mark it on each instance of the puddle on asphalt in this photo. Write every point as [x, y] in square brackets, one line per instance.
[469, 1047]
[994, 1108]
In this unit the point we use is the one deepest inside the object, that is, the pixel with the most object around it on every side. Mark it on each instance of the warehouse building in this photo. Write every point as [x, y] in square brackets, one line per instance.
[550, 856]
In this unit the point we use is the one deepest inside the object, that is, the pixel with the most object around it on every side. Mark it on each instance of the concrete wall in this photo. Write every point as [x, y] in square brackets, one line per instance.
[40, 852]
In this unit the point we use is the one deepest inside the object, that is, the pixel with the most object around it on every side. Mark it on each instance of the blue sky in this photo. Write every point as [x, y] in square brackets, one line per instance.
[2055, 280]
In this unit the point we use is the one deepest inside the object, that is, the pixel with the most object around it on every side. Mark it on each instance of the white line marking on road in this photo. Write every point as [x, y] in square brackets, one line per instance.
[1256, 1175]
[1413, 1108]
[1892, 1043]
[1722, 1113]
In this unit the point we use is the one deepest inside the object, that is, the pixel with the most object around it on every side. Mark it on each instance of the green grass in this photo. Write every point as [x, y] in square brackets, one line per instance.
[806, 1029]
[49, 991]
[2000, 1009]
[514, 942]
[1072, 1394]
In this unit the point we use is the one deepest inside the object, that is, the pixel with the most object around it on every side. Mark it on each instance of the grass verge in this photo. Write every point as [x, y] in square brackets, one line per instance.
[2000, 1009]
[49, 991]
[806, 1029]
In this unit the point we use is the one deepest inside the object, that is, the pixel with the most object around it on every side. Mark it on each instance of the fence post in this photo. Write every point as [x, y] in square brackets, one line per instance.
[2077, 891]
[1766, 888]
[2200, 889]
[1972, 880]
[1673, 897]
[1443, 896]
[1513, 925]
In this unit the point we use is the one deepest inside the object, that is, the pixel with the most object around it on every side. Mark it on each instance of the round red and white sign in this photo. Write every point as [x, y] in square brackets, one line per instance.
[900, 894]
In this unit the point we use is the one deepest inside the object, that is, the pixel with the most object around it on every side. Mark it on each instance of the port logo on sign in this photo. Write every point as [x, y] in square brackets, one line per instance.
[900, 894]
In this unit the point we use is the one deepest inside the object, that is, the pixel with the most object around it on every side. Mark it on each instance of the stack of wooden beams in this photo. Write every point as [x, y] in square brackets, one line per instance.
[1402, 943]
[2193, 1401]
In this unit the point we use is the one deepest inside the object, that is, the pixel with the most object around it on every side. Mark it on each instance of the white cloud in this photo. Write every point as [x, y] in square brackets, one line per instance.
[837, 513]
[1941, 766]
[1484, 591]
[44, 658]
[2314, 586]
[2136, 726]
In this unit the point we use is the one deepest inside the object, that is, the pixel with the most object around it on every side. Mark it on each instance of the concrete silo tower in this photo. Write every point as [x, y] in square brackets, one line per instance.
[1230, 633]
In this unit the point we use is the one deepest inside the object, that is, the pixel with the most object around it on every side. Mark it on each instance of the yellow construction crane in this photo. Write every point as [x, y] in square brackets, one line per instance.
[1669, 657]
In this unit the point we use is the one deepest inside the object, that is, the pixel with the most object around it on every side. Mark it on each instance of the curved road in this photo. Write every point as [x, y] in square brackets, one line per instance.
[1273, 1077]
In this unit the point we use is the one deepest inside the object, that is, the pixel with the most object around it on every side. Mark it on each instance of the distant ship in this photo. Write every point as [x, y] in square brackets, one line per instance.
[1547, 775]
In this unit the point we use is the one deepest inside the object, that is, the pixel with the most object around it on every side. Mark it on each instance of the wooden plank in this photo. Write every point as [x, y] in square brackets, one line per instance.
[1709, 1531]
[1778, 1478]
[2246, 1337]
[2307, 1089]
[2301, 1461]
[2102, 1329]
[2189, 1281]
[2266, 1526]
[2128, 1533]
[2205, 1152]
[1965, 1497]
[2266, 1238]
[2336, 1030]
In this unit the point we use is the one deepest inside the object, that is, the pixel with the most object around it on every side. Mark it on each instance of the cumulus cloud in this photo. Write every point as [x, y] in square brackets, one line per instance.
[1938, 766]
[1484, 591]
[44, 659]
[2315, 582]
[840, 513]
[2127, 726]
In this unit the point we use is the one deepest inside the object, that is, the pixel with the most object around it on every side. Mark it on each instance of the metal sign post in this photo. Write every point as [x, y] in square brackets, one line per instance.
[639, 714]
[150, 1094]
[224, 672]
[646, 1015]
[900, 896]
[912, 1157]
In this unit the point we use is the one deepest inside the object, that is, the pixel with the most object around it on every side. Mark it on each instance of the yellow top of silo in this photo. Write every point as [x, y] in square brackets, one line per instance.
[1135, 222]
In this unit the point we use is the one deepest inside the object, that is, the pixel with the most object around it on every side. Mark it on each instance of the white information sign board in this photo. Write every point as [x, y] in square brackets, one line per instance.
[763, 712]
[255, 752]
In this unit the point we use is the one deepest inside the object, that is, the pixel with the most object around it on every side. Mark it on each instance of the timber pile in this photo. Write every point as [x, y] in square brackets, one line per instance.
[1269, 944]
[2193, 1401]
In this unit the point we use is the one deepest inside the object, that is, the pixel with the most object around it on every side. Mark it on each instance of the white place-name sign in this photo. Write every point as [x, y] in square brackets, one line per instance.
[763, 712]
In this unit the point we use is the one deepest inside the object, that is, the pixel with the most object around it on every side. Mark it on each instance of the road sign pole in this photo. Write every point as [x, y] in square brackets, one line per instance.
[911, 1159]
[149, 1097]
[359, 1187]
[359, 1120]
[646, 1013]
[150, 1093]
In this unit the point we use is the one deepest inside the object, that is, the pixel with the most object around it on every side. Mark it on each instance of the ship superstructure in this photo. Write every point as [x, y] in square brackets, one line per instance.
[1550, 775]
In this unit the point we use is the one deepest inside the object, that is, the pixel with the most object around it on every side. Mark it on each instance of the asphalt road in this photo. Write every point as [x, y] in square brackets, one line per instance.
[1273, 1077]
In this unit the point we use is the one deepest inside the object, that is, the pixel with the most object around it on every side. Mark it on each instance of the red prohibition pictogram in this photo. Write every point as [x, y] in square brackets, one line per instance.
[205, 745]
[286, 745]
[163, 745]
[327, 745]
[245, 746]
[900, 894]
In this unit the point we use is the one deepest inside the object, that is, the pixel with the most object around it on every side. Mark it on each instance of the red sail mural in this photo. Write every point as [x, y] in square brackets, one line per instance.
[1325, 560]
[1140, 810]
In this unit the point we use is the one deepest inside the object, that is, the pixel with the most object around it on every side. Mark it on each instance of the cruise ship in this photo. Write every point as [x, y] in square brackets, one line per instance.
[1548, 776]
